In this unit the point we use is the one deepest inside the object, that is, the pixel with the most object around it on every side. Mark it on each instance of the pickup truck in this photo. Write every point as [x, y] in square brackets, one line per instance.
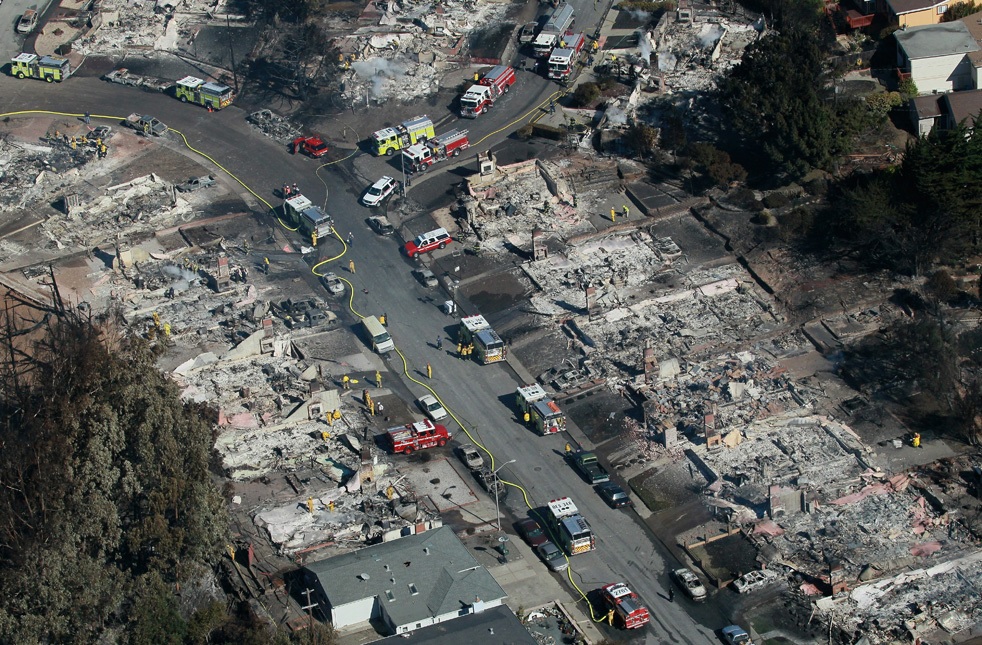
[146, 125]
[589, 466]
[195, 183]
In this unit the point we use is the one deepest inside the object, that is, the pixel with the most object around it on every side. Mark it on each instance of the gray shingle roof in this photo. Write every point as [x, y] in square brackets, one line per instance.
[496, 625]
[444, 573]
[964, 105]
[930, 41]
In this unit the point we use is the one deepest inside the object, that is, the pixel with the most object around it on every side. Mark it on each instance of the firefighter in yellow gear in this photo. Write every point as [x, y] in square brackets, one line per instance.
[429, 371]
[336, 415]
[917, 440]
[346, 382]
[378, 378]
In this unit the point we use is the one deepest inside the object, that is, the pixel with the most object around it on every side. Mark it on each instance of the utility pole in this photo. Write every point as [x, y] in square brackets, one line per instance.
[309, 607]
[231, 52]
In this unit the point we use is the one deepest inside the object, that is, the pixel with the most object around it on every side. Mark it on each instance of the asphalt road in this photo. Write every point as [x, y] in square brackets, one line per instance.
[11, 43]
[481, 396]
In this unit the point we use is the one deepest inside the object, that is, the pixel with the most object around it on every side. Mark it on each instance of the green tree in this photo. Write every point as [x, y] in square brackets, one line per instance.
[103, 480]
[960, 10]
[773, 98]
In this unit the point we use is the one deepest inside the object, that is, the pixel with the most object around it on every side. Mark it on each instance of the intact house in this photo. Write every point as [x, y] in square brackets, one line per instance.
[916, 13]
[945, 111]
[938, 57]
[403, 585]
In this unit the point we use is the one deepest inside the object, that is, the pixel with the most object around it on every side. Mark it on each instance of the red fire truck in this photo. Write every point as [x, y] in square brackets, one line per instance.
[479, 98]
[624, 606]
[423, 155]
[563, 57]
[418, 436]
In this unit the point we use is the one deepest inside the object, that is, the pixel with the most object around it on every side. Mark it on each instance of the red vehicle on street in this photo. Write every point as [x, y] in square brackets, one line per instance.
[421, 156]
[479, 98]
[624, 606]
[418, 436]
[310, 146]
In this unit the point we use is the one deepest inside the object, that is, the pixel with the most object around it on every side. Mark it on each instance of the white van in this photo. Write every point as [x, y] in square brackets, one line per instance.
[381, 341]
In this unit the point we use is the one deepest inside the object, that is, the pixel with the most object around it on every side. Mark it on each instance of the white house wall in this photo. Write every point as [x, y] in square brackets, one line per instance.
[352, 613]
[426, 622]
[942, 73]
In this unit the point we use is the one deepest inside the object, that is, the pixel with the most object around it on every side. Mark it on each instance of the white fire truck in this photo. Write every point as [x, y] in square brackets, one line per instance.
[544, 413]
[624, 606]
[423, 155]
[558, 24]
[562, 58]
[488, 346]
[312, 221]
[569, 527]
[479, 97]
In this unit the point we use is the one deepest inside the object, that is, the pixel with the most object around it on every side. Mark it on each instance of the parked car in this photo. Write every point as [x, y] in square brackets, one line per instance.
[195, 183]
[379, 191]
[553, 556]
[690, 584]
[735, 635]
[333, 283]
[471, 457]
[614, 495]
[431, 407]
[28, 21]
[425, 277]
[381, 225]
[530, 530]
[755, 580]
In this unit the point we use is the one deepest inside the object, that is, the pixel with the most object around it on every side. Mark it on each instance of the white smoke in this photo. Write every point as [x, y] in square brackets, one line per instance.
[644, 43]
[183, 277]
[667, 61]
[639, 15]
[709, 35]
[377, 70]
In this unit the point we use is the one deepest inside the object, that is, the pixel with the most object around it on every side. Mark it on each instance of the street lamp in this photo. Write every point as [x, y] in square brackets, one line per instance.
[497, 512]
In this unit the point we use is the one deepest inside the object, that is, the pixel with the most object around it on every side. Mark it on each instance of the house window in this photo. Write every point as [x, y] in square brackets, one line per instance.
[942, 9]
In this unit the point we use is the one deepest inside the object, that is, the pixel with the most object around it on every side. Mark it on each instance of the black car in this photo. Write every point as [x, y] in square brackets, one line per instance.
[614, 495]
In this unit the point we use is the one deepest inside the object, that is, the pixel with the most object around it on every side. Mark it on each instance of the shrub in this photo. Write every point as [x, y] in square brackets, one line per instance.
[776, 200]
[817, 187]
[942, 285]
[585, 94]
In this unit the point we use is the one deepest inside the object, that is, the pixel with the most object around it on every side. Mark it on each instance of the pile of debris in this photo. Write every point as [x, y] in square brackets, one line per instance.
[274, 126]
[403, 56]
[694, 56]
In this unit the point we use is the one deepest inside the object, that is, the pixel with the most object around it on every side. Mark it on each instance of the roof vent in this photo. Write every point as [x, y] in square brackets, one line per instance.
[387, 567]
[363, 576]
[412, 588]
[388, 594]
[426, 550]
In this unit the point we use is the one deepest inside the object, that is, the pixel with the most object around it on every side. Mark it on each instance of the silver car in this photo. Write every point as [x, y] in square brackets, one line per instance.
[433, 408]
[333, 283]
[553, 556]
[690, 584]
